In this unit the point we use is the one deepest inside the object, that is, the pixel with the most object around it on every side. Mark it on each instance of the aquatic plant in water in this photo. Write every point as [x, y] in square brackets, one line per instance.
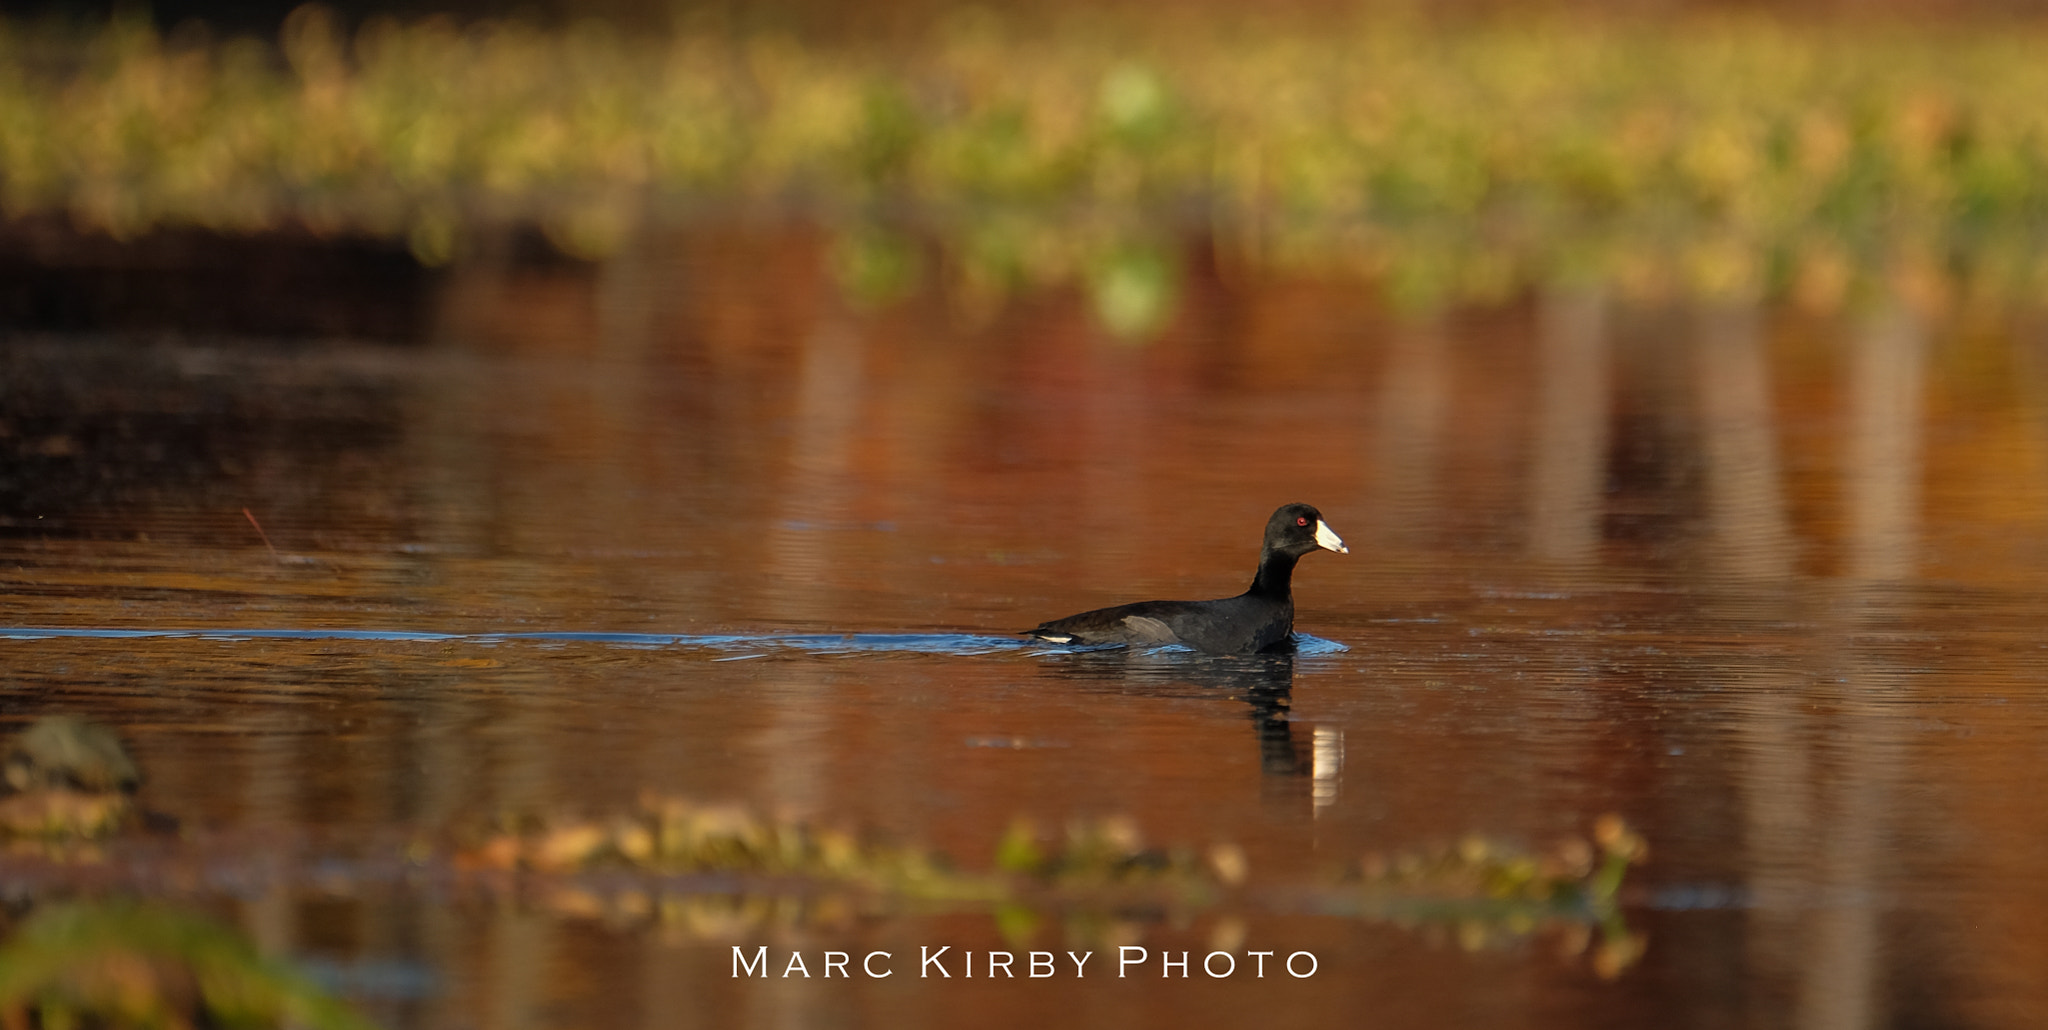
[673, 836]
[138, 964]
[1481, 892]
[721, 870]
[66, 778]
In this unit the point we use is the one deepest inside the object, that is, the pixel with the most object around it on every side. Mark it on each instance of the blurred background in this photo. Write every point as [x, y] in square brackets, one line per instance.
[1434, 156]
[1677, 372]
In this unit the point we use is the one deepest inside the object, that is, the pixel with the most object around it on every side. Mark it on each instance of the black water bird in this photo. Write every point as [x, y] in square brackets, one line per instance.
[1260, 619]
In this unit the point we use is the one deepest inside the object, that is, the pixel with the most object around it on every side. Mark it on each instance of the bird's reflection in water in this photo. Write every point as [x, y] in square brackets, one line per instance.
[1265, 682]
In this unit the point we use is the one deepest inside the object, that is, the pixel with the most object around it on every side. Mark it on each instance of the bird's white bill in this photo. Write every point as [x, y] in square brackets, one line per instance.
[1328, 540]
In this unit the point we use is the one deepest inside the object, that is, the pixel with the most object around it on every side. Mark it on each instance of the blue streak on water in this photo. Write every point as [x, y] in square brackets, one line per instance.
[753, 644]
[1701, 897]
[931, 643]
[94, 632]
[1305, 645]
[381, 979]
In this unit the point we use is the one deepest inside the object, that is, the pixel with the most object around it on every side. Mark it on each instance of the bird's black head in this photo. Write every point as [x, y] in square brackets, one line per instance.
[1297, 529]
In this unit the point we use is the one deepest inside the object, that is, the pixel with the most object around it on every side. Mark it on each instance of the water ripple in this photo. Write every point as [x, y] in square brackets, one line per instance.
[752, 645]
[813, 643]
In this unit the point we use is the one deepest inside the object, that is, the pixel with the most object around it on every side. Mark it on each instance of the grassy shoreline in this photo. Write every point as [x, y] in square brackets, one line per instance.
[1714, 156]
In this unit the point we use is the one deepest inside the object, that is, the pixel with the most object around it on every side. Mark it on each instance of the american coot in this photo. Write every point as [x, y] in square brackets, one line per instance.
[1260, 619]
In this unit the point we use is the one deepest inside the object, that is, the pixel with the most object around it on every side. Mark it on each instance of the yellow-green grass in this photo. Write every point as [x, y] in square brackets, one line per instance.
[1713, 154]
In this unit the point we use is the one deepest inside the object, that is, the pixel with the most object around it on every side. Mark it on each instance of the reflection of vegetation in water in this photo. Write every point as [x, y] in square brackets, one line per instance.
[875, 267]
[1482, 893]
[58, 813]
[152, 965]
[118, 964]
[122, 964]
[1110, 851]
[1133, 291]
[1715, 155]
[671, 836]
[66, 778]
[66, 751]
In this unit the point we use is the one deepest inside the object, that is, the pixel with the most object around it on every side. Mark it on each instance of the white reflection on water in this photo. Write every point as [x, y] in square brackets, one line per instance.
[1327, 775]
[1573, 425]
[1739, 430]
[1841, 989]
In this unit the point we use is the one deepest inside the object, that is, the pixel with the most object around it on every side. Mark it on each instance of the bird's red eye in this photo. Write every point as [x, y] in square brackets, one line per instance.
[1301, 520]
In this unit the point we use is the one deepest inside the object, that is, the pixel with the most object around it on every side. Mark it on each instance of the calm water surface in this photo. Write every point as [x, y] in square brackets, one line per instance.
[1767, 585]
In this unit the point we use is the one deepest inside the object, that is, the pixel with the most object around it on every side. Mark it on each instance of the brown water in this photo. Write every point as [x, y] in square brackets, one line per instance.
[1766, 584]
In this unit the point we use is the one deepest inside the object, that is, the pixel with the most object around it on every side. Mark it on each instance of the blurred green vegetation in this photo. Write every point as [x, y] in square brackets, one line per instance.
[1094, 874]
[128, 964]
[723, 871]
[65, 780]
[1716, 155]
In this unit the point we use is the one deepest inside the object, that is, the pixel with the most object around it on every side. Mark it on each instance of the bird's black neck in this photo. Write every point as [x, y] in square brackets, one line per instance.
[1276, 576]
